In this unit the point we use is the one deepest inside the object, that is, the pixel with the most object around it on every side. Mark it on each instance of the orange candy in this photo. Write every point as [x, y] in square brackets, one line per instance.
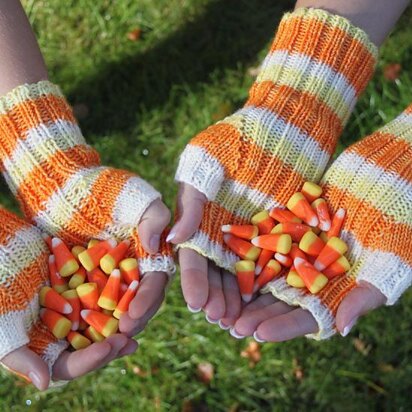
[78, 341]
[321, 208]
[284, 260]
[91, 333]
[90, 258]
[263, 221]
[109, 297]
[111, 259]
[58, 283]
[264, 257]
[295, 230]
[245, 272]
[338, 267]
[88, 295]
[246, 232]
[66, 263]
[124, 302]
[311, 244]
[73, 298]
[337, 223]
[56, 322]
[293, 278]
[311, 191]
[129, 269]
[241, 247]
[269, 272]
[275, 242]
[332, 251]
[299, 205]
[77, 278]
[104, 324]
[50, 299]
[284, 216]
[98, 277]
[313, 279]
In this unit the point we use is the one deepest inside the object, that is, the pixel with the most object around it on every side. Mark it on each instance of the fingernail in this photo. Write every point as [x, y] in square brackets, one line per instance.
[193, 310]
[235, 334]
[348, 327]
[212, 321]
[257, 339]
[223, 326]
[35, 379]
[171, 236]
[154, 242]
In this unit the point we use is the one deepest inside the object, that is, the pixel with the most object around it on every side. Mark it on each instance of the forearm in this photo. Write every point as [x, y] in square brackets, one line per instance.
[375, 17]
[21, 60]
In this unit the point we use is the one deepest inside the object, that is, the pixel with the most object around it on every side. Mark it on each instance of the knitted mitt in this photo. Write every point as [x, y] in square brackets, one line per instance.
[256, 159]
[58, 178]
[372, 180]
[23, 271]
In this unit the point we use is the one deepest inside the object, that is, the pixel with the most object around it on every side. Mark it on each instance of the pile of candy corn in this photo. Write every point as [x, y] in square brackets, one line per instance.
[305, 242]
[90, 289]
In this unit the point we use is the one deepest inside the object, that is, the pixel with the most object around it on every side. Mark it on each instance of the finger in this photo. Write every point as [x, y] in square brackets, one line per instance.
[247, 324]
[194, 279]
[129, 348]
[296, 323]
[232, 300]
[190, 204]
[259, 303]
[151, 289]
[152, 224]
[215, 306]
[28, 365]
[358, 301]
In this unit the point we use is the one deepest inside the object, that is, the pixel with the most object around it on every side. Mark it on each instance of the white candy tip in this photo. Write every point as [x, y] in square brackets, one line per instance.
[115, 273]
[133, 285]
[112, 243]
[225, 228]
[44, 235]
[67, 309]
[319, 266]
[254, 241]
[126, 242]
[325, 226]
[84, 313]
[341, 213]
[314, 221]
[75, 325]
[258, 269]
[246, 297]
[56, 241]
[52, 259]
[298, 261]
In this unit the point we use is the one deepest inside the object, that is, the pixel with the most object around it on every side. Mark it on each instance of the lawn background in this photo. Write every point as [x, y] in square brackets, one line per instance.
[139, 102]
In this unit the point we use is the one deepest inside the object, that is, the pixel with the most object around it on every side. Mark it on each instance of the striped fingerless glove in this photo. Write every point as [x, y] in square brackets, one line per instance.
[23, 271]
[58, 178]
[372, 180]
[285, 134]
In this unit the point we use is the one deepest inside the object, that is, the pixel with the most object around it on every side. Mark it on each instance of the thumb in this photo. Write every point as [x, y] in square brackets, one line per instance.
[358, 301]
[190, 205]
[152, 224]
[29, 366]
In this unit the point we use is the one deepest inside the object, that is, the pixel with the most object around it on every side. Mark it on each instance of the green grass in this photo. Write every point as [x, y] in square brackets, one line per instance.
[145, 100]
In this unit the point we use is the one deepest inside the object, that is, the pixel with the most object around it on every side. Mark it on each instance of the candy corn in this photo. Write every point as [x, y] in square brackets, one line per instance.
[311, 191]
[124, 302]
[313, 279]
[77, 278]
[284, 260]
[269, 272]
[104, 324]
[337, 223]
[74, 316]
[274, 242]
[321, 209]
[338, 267]
[111, 259]
[50, 299]
[293, 279]
[109, 296]
[311, 244]
[263, 221]
[98, 277]
[295, 230]
[92, 242]
[245, 272]
[90, 258]
[66, 263]
[56, 322]
[264, 257]
[91, 333]
[78, 341]
[246, 232]
[57, 282]
[129, 270]
[332, 251]
[76, 250]
[284, 216]
[88, 295]
[241, 247]
[299, 205]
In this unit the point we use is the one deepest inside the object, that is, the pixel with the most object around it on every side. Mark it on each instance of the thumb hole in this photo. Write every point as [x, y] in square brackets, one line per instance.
[28, 365]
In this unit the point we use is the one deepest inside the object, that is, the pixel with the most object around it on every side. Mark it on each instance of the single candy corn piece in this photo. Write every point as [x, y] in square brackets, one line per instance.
[58, 283]
[313, 279]
[91, 333]
[58, 325]
[269, 272]
[337, 223]
[263, 221]
[123, 305]
[73, 298]
[284, 216]
[293, 279]
[247, 232]
[66, 263]
[275, 242]
[332, 251]
[245, 272]
[78, 278]
[123, 288]
[321, 208]
[264, 257]
[83, 325]
[48, 239]
[106, 325]
[311, 191]
[241, 247]
[296, 252]
[78, 341]
[76, 250]
[311, 244]
[90, 258]
[88, 295]
[338, 267]
[324, 236]
[295, 230]
[111, 259]
[129, 269]
[93, 242]
[299, 205]
[50, 299]
[110, 294]
[284, 260]
[98, 277]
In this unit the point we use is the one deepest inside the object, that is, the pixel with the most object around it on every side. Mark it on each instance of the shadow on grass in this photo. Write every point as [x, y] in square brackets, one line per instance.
[229, 33]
